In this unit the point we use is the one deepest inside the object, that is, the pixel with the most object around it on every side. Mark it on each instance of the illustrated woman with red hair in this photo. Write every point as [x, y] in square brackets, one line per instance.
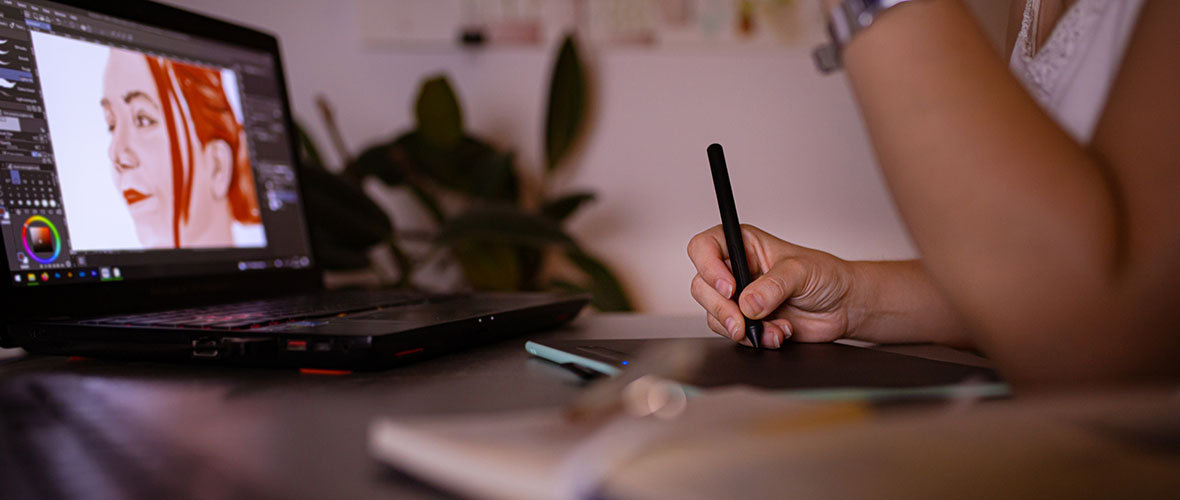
[178, 154]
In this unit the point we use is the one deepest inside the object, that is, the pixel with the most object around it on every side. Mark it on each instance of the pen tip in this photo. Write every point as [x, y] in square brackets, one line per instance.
[754, 333]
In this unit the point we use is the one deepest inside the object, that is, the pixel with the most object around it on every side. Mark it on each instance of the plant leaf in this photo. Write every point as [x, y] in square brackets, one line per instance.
[440, 119]
[493, 178]
[470, 167]
[331, 254]
[405, 265]
[308, 151]
[488, 265]
[567, 104]
[428, 202]
[561, 208]
[395, 164]
[608, 293]
[567, 286]
[529, 261]
[378, 161]
[343, 221]
[341, 211]
[498, 223]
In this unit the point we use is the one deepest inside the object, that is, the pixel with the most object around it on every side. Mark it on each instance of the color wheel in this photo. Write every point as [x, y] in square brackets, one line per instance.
[24, 236]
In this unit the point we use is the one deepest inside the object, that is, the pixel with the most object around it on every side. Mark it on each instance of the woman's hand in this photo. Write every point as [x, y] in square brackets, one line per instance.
[799, 293]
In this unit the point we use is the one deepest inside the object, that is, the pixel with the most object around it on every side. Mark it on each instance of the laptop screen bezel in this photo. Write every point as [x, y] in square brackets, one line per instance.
[85, 299]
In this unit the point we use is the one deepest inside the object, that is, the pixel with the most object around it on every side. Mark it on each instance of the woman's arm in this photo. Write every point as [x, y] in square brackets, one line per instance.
[1063, 260]
[898, 302]
[811, 296]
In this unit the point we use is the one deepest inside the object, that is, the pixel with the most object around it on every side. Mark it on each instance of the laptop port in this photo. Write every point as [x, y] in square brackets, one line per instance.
[206, 347]
[248, 348]
[297, 345]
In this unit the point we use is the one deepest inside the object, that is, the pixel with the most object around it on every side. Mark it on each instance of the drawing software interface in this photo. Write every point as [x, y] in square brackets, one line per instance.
[135, 152]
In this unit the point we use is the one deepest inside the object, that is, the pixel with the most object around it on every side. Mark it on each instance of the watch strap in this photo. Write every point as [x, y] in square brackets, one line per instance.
[845, 20]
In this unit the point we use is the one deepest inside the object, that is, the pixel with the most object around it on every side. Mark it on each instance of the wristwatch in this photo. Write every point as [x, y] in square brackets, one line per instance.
[844, 21]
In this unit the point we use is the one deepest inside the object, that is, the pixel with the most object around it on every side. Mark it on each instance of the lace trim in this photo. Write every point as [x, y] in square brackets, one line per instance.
[1044, 68]
[1031, 7]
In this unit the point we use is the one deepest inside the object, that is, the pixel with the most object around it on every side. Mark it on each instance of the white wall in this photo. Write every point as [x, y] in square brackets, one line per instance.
[799, 158]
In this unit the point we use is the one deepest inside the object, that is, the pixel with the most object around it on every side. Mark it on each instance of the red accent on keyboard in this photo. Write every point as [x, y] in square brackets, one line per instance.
[323, 371]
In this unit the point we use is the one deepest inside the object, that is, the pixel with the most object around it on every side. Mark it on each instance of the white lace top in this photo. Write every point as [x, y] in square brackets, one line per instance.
[1071, 74]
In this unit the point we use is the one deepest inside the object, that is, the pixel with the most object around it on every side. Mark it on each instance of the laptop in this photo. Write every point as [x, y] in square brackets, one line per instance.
[150, 207]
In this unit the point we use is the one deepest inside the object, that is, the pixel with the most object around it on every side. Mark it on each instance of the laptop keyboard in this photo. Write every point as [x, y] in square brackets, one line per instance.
[259, 313]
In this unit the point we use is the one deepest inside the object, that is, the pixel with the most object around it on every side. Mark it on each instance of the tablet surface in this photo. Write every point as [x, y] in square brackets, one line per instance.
[794, 366]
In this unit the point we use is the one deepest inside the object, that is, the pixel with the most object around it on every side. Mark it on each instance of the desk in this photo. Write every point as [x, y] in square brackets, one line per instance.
[149, 430]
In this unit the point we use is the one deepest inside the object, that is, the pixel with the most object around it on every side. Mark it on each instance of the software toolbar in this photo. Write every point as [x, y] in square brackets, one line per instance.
[31, 215]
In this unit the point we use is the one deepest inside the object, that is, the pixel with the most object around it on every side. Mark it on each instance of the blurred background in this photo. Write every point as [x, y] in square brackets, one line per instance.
[664, 79]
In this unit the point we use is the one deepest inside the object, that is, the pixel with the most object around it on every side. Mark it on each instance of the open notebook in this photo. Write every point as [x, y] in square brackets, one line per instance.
[749, 443]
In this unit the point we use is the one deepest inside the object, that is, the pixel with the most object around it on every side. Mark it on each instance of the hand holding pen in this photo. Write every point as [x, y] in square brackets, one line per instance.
[798, 293]
[733, 238]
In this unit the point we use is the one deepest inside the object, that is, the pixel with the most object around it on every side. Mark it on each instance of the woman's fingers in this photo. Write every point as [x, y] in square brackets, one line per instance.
[785, 325]
[772, 289]
[725, 311]
[775, 333]
[717, 327]
[708, 253]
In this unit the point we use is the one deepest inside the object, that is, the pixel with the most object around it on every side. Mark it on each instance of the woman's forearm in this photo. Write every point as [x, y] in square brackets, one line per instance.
[897, 302]
[1015, 221]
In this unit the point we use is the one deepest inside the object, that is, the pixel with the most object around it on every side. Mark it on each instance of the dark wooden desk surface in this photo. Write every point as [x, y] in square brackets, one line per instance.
[104, 429]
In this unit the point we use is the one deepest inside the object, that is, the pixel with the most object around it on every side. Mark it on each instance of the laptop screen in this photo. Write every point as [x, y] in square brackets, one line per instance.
[136, 152]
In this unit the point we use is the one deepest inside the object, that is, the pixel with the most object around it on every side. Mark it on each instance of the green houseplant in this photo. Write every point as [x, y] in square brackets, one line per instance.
[501, 237]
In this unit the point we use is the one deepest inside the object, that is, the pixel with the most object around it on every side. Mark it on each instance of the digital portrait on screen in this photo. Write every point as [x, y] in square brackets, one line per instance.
[150, 151]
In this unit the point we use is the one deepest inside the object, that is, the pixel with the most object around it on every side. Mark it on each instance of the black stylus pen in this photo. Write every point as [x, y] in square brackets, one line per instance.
[733, 235]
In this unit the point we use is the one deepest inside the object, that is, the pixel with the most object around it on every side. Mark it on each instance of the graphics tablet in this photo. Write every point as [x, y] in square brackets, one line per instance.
[794, 366]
